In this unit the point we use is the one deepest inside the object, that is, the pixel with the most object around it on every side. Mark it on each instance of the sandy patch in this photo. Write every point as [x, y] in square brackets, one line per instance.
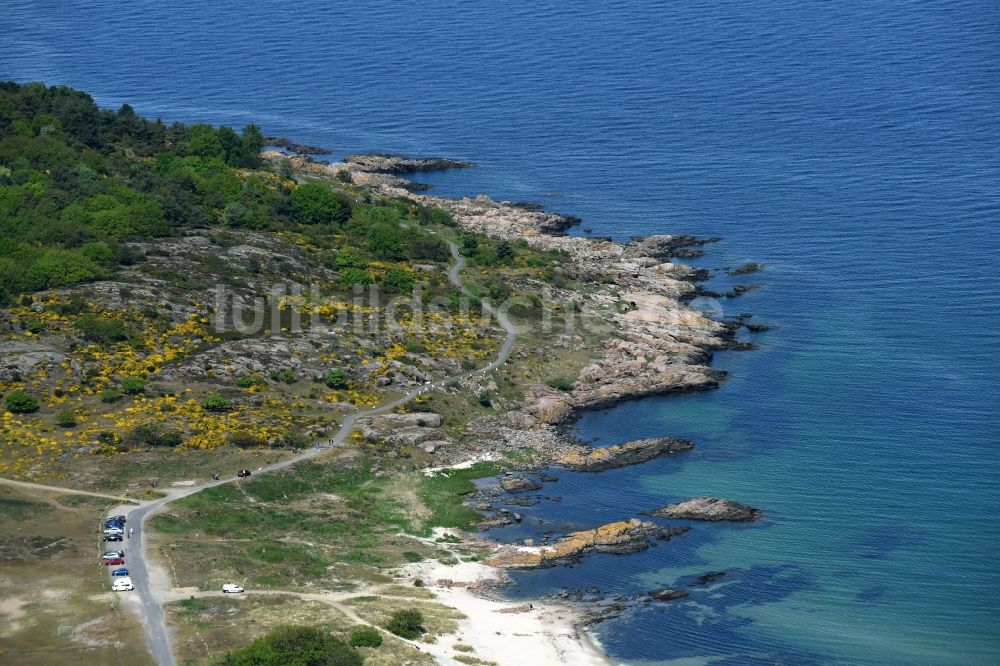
[507, 633]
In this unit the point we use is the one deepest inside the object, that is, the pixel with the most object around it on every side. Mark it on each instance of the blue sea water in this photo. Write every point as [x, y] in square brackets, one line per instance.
[853, 147]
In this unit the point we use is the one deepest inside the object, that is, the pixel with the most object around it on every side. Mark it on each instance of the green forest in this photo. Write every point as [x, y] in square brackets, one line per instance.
[77, 182]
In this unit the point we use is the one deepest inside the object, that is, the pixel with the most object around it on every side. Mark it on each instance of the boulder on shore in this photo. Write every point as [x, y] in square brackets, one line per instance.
[620, 455]
[708, 508]
[627, 536]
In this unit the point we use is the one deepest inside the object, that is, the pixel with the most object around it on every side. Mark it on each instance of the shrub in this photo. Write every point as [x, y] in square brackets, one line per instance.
[102, 331]
[345, 258]
[286, 375]
[335, 379]
[352, 276]
[427, 247]
[34, 326]
[152, 434]
[398, 280]
[344, 176]
[314, 203]
[216, 403]
[66, 418]
[561, 383]
[133, 385]
[20, 402]
[441, 216]
[111, 395]
[365, 636]
[295, 646]
[386, 240]
[244, 381]
[405, 623]
[245, 440]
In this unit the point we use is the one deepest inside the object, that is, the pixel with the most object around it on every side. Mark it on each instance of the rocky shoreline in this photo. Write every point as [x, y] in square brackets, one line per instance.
[655, 344]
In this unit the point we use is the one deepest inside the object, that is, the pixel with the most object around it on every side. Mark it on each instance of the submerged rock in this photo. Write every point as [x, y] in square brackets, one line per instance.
[708, 508]
[668, 594]
[620, 455]
[751, 267]
[711, 577]
[622, 537]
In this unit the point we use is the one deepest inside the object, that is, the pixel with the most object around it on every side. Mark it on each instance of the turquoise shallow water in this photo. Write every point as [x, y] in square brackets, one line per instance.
[853, 147]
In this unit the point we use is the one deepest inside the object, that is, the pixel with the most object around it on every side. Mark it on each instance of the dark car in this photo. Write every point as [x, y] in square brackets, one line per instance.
[243, 473]
[120, 572]
[112, 537]
[118, 561]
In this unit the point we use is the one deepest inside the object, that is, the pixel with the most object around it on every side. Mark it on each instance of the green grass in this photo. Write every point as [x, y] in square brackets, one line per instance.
[19, 509]
[444, 494]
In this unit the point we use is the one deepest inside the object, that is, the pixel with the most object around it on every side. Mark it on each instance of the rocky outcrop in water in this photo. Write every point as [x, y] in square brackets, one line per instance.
[745, 269]
[620, 455]
[627, 536]
[390, 163]
[288, 144]
[668, 594]
[518, 484]
[708, 508]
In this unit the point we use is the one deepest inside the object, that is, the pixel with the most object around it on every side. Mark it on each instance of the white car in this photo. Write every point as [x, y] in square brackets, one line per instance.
[122, 585]
[113, 554]
[231, 588]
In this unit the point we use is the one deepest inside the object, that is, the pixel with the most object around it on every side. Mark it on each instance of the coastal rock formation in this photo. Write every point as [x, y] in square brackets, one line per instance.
[745, 269]
[518, 484]
[389, 163]
[406, 430]
[668, 594]
[620, 455]
[622, 537]
[708, 508]
[284, 142]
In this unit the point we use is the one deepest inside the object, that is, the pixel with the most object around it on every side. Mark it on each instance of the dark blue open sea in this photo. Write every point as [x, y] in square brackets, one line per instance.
[852, 146]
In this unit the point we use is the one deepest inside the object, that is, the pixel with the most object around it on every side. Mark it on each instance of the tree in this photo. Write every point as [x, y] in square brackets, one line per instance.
[58, 268]
[295, 646]
[315, 203]
[406, 623]
[386, 240]
[20, 402]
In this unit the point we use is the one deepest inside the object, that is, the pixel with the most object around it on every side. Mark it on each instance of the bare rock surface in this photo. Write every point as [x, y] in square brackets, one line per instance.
[620, 455]
[627, 536]
[391, 163]
[518, 484]
[708, 508]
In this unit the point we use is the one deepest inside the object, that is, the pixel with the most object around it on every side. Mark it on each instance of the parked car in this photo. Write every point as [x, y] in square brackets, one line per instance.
[112, 554]
[112, 537]
[113, 530]
[243, 473]
[232, 588]
[117, 562]
[120, 572]
[122, 585]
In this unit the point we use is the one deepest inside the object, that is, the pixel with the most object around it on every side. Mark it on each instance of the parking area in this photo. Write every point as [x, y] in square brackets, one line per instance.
[115, 533]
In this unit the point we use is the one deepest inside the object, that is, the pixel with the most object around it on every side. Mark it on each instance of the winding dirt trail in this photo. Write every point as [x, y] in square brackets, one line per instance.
[151, 584]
